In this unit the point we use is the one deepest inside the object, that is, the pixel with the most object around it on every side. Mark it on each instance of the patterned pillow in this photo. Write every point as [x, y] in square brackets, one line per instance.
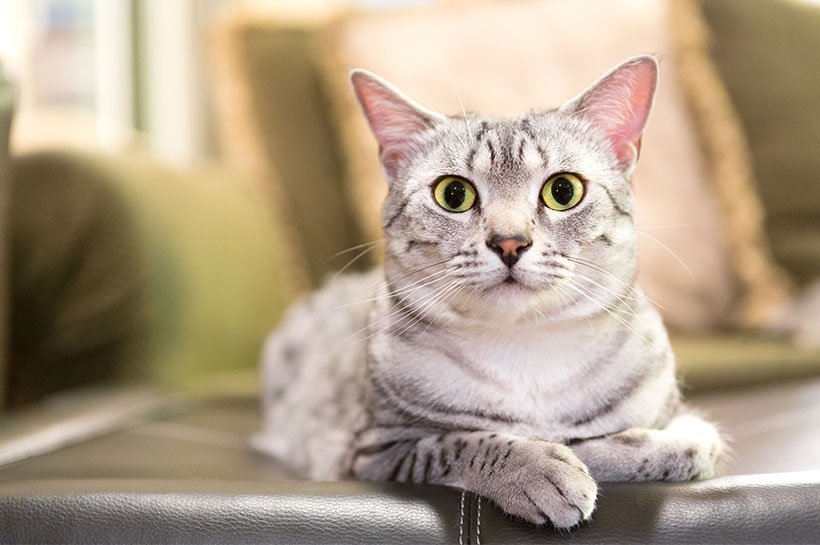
[506, 58]
[703, 254]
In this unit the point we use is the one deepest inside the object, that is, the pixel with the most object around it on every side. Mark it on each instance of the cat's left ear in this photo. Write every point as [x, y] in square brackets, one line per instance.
[395, 119]
[619, 104]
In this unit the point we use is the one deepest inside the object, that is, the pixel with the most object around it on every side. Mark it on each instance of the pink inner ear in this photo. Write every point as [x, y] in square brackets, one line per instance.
[620, 104]
[393, 119]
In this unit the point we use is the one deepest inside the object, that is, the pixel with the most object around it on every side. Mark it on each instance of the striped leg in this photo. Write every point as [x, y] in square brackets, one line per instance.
[688, 448]
[537, 480]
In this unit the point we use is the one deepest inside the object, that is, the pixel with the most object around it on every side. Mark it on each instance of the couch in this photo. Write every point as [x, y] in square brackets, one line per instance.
[130, 393]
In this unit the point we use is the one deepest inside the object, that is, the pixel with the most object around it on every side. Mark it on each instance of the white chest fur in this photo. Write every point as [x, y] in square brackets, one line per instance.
[538, 377]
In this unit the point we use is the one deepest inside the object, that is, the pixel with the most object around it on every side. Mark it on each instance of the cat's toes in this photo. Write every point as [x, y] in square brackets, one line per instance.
[701, 461]
[553, 491]
[696, 454]
[683, 462]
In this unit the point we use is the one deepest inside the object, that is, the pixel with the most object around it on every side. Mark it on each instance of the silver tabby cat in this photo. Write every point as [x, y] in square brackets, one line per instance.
[504, 347]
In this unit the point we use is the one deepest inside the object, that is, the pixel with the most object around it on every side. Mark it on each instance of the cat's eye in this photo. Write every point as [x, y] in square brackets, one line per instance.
[562, 191]
[454, 194]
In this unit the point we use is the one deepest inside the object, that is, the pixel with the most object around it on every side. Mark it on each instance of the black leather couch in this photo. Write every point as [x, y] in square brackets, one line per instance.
[134, 466]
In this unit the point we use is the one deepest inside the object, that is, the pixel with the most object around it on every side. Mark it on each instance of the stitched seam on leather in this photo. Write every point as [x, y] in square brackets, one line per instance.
[461, 520]
[478, 522]
[468, 521]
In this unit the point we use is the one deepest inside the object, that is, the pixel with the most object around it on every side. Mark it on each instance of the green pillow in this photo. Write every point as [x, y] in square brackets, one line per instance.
[123, 270]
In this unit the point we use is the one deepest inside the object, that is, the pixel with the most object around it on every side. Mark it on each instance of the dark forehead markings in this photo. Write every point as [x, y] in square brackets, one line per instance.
[526, 127]
[491, 149]
[543, 153]
[509, 144]
[482, 130]
[479, 136]
[507, 152]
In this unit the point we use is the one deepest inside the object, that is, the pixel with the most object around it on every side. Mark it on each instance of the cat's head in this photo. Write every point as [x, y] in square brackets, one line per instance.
[512, 218]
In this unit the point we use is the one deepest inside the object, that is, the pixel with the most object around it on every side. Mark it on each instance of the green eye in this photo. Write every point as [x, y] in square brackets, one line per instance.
[454, 194]
[562, 191]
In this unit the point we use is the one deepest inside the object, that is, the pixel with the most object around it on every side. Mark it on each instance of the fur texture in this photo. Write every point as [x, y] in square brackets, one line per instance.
[524, 380]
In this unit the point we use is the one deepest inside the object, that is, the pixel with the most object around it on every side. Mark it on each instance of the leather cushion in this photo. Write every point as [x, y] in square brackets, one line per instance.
[191, 478]
[752, 509]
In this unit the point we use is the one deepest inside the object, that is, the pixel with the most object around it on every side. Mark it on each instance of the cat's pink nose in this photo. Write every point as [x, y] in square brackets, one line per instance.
[509, 249]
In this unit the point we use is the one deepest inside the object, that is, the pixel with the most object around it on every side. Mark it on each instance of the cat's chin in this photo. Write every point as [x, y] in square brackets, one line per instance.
[510, 294]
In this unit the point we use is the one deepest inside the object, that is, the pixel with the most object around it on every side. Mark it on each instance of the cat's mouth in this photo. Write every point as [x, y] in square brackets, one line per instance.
[507, 290]
[510, 283]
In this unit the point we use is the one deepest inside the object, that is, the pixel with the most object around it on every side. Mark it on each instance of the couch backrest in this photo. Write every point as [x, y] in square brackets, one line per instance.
[274, 120]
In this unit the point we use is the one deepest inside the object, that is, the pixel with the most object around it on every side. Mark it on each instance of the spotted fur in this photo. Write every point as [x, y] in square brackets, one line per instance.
[521, 383]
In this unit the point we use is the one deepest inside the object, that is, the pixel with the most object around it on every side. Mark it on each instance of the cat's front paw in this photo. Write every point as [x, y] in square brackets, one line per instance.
[696, 454]
[548, 484]
[689, 450]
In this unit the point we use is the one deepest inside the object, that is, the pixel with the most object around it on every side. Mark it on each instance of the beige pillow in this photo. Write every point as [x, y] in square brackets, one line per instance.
[510, 57]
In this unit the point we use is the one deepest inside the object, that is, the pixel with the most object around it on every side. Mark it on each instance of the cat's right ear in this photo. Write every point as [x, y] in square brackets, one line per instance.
[395, 119]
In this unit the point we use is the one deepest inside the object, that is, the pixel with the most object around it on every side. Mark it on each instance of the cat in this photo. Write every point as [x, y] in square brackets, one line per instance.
[508, 351]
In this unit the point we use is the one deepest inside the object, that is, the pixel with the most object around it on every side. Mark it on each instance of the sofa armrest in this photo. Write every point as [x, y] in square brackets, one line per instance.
[185, 474]
[778, 508]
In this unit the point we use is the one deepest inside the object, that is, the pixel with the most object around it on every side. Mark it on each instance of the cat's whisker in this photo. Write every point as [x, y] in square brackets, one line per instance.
[536, 311]
[449, 124]
[614, 278]
[447, 300]
[603, 307]
[620, 297]
[603, 271]
[414, 271]
[598, 268]
[581, 291]
[422, 312]
[378, 284]
[389, 317]
[593, 297]
[458, 96]
[667, 226]
[356, 247]
[423, 300]
[567, 302]
[384, 318]
[412, 284]
[354, 260]
[352, 338]
[668, 249]
[470, 97]
[452, 128]
[409, 289]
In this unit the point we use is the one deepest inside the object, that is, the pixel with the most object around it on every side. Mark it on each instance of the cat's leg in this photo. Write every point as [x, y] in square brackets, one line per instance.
[687, 448]
[536, 480]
